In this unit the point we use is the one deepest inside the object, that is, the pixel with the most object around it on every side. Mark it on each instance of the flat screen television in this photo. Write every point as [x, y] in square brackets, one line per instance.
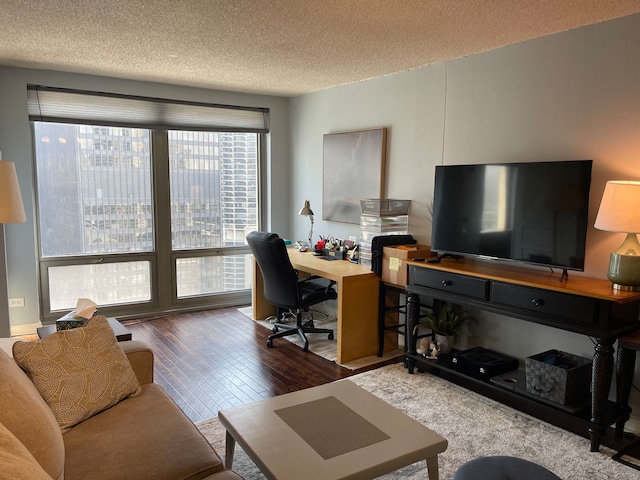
[534, 213]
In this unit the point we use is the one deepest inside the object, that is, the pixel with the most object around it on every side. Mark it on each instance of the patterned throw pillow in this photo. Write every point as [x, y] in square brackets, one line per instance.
[78, 372]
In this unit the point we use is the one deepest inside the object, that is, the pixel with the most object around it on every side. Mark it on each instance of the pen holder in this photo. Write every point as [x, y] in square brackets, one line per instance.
[331, 254]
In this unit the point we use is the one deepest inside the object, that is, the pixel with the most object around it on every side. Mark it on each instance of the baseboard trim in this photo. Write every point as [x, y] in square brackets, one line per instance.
[26, 329]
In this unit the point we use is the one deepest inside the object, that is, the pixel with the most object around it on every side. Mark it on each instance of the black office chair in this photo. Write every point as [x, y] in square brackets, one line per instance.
[283, 288]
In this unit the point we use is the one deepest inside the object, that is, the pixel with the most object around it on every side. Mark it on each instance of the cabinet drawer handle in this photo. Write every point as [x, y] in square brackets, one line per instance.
[446, 283]
[538, 302]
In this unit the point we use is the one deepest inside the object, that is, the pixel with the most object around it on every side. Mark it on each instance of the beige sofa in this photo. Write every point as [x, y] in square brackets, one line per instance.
[142, 437]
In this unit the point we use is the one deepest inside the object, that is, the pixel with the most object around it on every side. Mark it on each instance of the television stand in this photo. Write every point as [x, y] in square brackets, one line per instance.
[585, 306]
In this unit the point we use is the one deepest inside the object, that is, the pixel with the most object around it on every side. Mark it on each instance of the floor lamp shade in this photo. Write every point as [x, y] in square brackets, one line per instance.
[620, 212]
[11, 208]
[11, 211]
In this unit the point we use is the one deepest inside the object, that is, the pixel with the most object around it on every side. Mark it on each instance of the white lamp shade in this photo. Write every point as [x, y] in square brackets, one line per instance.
[620, 207]
[11, 208]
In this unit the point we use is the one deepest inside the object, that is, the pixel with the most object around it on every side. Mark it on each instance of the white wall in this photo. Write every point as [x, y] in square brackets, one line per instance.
[16, 146]
[410, 105]
[574, 95]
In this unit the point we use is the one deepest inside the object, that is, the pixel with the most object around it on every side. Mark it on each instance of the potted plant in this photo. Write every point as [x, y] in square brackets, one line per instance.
[445, 325]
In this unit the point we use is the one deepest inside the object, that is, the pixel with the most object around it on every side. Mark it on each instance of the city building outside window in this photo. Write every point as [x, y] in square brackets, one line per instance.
[107, 230]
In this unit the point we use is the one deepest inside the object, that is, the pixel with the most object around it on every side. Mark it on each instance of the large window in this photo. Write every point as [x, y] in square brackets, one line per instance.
[94, 189]
[144, 218]
[214, 203]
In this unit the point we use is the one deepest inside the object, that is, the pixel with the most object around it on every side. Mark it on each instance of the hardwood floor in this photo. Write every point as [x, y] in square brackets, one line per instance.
[215, 359]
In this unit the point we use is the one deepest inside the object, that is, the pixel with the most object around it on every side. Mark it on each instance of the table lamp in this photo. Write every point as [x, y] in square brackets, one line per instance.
[620, 212]
[11, 211]
[307, 212]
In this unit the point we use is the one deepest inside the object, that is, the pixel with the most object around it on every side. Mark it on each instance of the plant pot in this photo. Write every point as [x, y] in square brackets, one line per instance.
[444, 343]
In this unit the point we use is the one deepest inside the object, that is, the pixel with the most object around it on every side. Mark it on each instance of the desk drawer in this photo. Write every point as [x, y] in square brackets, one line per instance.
[572, 308]
[449, 282]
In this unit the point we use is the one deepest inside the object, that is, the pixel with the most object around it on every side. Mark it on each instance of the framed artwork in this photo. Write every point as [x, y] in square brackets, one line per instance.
[353, 169]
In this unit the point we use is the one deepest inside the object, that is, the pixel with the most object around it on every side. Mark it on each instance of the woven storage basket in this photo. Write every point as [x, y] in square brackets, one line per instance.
[563, 378]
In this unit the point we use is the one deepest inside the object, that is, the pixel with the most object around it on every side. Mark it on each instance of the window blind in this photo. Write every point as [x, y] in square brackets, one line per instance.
[60, 105]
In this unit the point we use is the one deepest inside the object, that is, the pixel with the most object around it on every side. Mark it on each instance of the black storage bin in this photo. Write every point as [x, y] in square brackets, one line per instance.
[479, 362]
[558, 376]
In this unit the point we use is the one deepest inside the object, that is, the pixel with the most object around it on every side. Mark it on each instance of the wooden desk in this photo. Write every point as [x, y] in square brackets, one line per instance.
[358, 290]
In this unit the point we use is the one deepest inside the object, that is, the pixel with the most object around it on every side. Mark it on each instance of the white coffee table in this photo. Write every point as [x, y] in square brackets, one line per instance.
[334, 431]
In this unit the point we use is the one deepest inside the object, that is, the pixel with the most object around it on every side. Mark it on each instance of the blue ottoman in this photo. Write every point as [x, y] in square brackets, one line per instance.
[503, 468]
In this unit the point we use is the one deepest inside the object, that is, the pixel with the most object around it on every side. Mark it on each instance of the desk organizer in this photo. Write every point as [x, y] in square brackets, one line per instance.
[331, 254]
[558, 376]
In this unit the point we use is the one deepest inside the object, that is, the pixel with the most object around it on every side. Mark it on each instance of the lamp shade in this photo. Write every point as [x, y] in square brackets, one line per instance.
[306, 210]
[620, 207]
[11, 208]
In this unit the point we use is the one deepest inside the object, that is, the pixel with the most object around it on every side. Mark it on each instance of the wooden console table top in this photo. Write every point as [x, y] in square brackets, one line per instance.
[533, 277]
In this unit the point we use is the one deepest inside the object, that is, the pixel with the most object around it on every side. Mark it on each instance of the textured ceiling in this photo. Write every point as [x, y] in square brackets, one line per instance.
[275, 47]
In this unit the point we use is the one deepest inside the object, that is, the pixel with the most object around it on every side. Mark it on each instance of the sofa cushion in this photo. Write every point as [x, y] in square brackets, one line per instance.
[16, 462]
[78, 372]
[27, 416]
[146, 436]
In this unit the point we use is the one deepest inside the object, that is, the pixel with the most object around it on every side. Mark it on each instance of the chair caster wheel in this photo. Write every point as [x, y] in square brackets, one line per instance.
[269, 343]
[274, 329]
[331, 336]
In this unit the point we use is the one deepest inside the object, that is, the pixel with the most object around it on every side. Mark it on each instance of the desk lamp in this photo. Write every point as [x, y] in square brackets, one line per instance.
[620, 212]
[307, 212]
[11, 211]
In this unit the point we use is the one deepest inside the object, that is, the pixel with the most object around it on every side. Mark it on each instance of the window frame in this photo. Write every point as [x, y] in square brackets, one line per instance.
[163, 281]
[107, 310]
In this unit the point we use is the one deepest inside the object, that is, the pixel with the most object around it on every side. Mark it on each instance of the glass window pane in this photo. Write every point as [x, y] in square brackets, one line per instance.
[214, 188]
[94, 189]
[216, 274]
[105, 284]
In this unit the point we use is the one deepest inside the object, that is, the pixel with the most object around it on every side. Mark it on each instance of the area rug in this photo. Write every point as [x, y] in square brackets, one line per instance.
[474, 426]
[322, 346]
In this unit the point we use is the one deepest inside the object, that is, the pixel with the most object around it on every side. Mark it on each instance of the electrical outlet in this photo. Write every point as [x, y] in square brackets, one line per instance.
[16, 302]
